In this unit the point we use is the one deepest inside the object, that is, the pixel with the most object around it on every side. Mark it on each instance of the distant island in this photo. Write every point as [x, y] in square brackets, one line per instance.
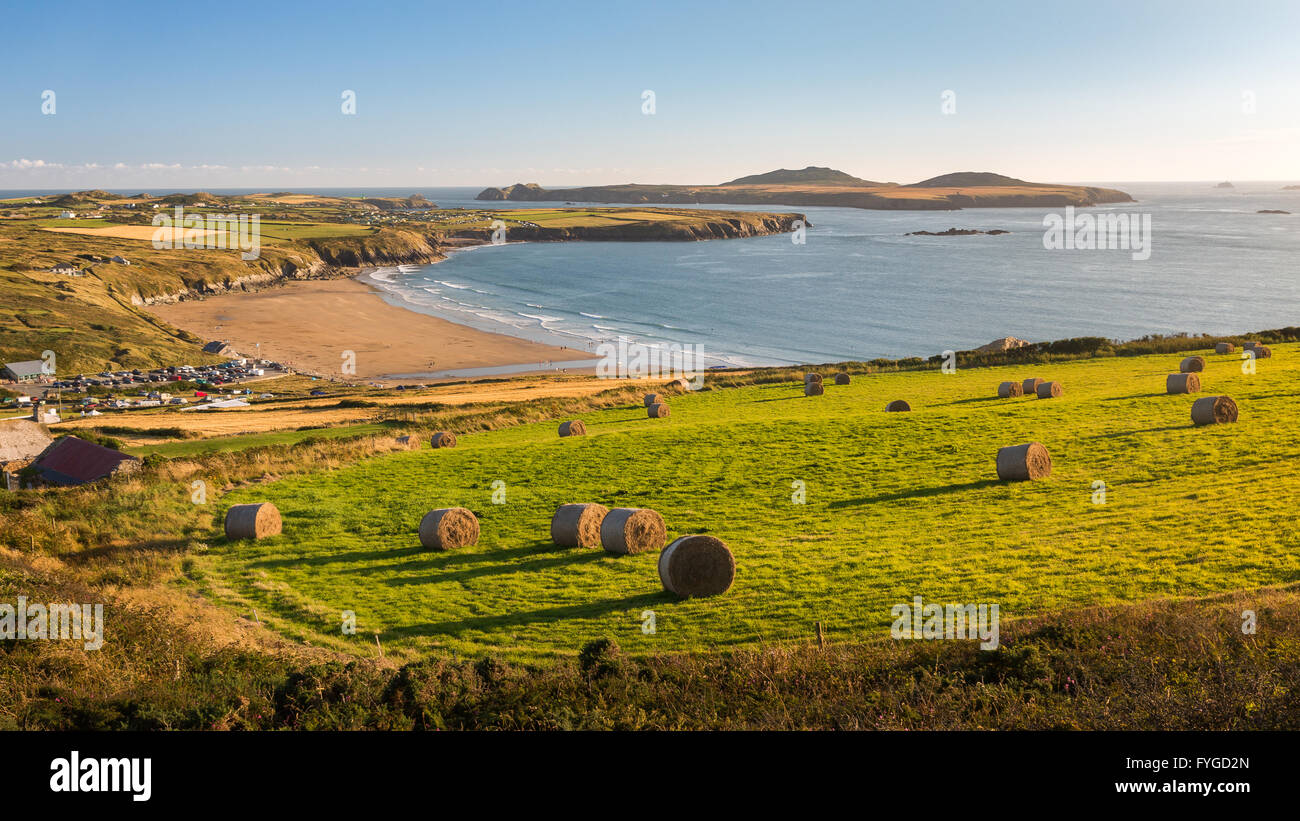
[957, 232]
[828, 187]
[1225, 185]
[1291, 188]
[1272, 211]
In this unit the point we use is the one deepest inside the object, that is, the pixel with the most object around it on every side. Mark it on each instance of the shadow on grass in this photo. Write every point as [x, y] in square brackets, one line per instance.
[436, 558]
[980, 399]
[1138, 396]
[919, 493]
[356, 556]
[781, 398]
[1121, 433]
[91, 554]
[545, 614]
[493, 569]
[619, 420]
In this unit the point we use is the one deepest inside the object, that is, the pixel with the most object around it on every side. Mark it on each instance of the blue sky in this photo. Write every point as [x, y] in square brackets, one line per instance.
[490, 94]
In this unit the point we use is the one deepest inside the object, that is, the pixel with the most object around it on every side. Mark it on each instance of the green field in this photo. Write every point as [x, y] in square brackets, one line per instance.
[312, 230]
[897, 505]
[230, 444]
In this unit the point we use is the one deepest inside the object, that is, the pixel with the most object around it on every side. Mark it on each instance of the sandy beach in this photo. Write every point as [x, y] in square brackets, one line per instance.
[309, 325]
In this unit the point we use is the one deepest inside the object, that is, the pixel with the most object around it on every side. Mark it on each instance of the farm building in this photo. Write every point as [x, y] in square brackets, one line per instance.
[73, 461]
[20, 442]
[66, 268]
[29, 371]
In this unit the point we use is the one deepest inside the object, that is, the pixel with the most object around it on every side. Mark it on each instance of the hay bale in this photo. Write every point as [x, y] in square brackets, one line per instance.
[255, 521]
[1006, 390]
[652, 399]
[1030, 386]
[1249, 345]
[1182, 383]
[448, 528]
[1214, 410]
[697, 565]
[1049, 390]
[897, 406]
[1024, 462]
[658, 411]
[443, 439]
[578, 525]
[813, 389]
[1225, 347]
[1192, 364]
[573, 428]
[629, 530]
[812, 377]
[841, 378]
[1262, 351]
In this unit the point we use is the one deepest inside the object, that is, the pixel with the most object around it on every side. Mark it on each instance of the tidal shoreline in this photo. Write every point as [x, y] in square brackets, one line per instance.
[315, 326]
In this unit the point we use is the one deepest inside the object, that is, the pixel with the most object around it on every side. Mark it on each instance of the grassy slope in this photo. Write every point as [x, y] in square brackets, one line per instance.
[897, 505]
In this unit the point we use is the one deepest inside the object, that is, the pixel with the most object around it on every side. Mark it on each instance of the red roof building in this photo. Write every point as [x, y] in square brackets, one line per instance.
[73, 461]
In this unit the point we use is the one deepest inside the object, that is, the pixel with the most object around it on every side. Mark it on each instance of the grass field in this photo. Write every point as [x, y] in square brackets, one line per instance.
[897, 505]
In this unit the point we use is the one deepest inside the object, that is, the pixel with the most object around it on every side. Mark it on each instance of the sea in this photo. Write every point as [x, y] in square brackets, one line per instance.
[857, 287]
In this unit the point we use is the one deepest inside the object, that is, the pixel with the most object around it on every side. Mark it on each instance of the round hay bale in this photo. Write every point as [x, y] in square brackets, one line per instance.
[1006, 390]
[813, 389]
[897, 406]
[697, 565]
[1182, 383]
[443, 439]
[573, 428]
[1049, 390]
[1248, 345]
[812, 377]
[629, 530]
[652, 399]
[578, 525]
[1024, 462]
[1262, 351]
[1192, 364]
[1030, 386]
[841, 378]
[448, 528]
[680, 382]
[255, 521]
[1214, 410]
[1225, 347]
[658, 411]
